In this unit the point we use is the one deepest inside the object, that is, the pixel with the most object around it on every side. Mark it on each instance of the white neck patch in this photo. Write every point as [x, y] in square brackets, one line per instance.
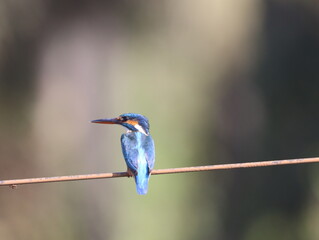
[140, 129]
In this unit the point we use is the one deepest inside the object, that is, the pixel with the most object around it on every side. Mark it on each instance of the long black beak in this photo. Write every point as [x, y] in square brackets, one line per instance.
[106, 121]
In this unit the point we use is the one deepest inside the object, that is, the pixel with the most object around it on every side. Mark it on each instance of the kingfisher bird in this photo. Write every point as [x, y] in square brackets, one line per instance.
[137, 147]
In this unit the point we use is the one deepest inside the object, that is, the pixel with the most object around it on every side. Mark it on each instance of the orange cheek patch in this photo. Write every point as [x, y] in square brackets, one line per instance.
[132, 122]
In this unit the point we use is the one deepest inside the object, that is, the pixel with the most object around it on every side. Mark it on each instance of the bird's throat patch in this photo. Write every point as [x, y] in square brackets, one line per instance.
[140, 129]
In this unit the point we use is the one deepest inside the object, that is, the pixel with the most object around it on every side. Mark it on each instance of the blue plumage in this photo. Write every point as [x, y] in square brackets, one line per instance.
[138, 151]
[137, 147]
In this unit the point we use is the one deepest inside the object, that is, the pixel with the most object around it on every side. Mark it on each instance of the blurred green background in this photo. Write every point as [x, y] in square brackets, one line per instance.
[221, 81]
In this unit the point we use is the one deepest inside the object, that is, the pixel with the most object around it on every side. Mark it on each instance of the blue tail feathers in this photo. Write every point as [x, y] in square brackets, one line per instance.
[141, 184]
[141, 180]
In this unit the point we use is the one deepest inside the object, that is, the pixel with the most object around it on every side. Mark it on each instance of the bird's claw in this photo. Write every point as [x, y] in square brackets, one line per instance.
[130, 173]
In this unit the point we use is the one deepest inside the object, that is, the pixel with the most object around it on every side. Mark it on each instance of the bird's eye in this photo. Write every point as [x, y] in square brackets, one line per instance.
[123, 119]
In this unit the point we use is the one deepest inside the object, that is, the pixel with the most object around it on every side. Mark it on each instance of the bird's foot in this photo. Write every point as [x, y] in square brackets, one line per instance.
[129, 173]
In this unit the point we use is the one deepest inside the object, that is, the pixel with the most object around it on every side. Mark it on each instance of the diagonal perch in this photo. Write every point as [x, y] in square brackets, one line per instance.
[13, 183]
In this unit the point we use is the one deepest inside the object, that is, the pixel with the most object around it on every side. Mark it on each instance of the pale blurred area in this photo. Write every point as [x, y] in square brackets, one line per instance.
[220, 81]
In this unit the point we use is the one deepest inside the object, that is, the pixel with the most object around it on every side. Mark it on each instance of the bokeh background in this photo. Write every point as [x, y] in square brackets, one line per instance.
[221, 81]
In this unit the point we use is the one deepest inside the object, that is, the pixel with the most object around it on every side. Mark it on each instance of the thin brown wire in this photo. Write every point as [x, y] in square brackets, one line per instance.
[13, 183]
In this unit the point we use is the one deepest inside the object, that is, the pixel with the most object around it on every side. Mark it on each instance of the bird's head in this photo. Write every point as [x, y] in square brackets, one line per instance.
[132, 121]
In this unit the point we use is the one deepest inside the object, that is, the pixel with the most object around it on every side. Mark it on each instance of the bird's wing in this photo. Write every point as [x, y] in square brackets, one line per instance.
[149, 152]
[130, 151]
